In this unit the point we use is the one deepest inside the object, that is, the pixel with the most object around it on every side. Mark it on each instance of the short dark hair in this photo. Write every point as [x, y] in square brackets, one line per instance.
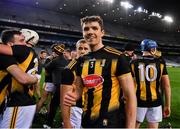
[8, 35]
[43, 51]
[129, 47]
[68, 50]
[92, 19]
[81, 41]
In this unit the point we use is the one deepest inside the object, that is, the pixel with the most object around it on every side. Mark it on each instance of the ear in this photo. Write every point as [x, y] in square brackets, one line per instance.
[10, 44]
[103, 32]
[153, 51]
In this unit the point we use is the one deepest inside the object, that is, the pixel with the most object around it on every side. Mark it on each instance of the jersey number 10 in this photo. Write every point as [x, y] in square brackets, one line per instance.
[144, 72]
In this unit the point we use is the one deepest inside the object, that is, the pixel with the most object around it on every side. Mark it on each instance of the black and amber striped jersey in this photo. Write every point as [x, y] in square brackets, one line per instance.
[5, 77]
[147, 72]
[27, 60]
[100, 71]
[128, 58]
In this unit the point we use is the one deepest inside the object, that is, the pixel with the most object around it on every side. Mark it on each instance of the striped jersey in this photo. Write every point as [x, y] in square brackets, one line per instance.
[27, 60]
[147, 72]
[5, 78]
[100, 71]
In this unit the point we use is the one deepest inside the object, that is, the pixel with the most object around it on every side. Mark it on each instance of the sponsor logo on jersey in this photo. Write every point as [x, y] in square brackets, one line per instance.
[93, 80]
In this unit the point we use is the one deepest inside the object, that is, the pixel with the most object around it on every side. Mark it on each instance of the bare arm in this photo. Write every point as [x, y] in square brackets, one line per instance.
[5, 49]
[167, 90]
[21, 76]
[73, 95]
[65, 110]
[131, 103]
[69, 95]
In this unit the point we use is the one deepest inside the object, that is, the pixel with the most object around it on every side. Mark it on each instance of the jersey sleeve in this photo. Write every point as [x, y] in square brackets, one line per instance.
[122, 66]
[19, 49]
[49, 67]
[78, 68]
[7, 61]
[67, 77]
[47, 60]
[20, 52]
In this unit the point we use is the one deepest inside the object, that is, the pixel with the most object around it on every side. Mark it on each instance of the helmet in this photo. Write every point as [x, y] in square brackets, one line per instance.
[31, 36]
[147, 44]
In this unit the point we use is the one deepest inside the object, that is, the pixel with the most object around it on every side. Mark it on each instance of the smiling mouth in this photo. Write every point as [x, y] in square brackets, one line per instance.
[91, 38]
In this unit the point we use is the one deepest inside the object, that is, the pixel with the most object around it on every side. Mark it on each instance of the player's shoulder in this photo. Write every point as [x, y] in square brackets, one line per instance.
[5, 58]
[72, 64]
[112, 50]
[137, 60]
[21, 46]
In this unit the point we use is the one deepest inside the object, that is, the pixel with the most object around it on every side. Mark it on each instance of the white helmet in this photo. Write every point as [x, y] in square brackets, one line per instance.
[31, 36]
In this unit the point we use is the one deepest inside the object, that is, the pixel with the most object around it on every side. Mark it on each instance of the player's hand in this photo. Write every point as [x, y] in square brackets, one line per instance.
[166, 112]
[67, 125]
[70, 98]
[38, 76]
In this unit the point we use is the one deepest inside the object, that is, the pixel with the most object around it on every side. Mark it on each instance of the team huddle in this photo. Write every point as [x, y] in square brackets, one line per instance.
[101, 87]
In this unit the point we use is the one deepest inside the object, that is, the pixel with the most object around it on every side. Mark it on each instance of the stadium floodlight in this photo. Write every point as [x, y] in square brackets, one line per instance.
[146, 11]
[156, 14]
[139, 9]
[37, 3]
[110, 1]
[159, 15]
[168, 19]
[126, 5]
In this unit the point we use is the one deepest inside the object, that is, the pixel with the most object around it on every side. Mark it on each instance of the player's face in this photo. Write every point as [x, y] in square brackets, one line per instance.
[73, 54]
[83, 49]
[19, 39]
[54, 54]
[43, 55]
[130, 53]
[67, 55]
[92, 33]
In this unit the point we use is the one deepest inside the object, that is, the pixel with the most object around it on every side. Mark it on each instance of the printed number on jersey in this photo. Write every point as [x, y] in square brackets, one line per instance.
[144, 72]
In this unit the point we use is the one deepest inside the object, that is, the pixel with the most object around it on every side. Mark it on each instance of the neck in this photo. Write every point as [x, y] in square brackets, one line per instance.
[146, 53]
[29, 45]
[96, 47]
[128, 54]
